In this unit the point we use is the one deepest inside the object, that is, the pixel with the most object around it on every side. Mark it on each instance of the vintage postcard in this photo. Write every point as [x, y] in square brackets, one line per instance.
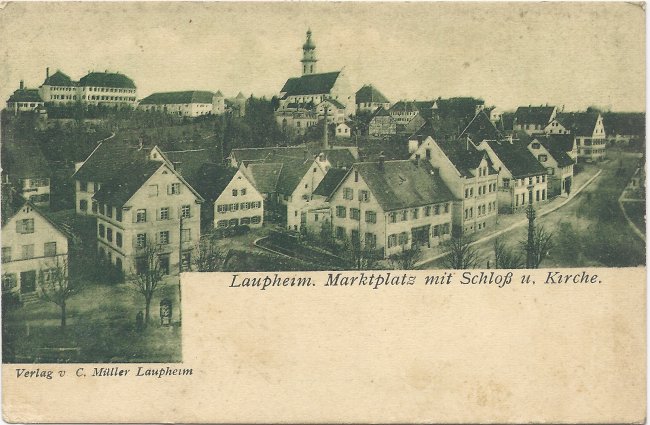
[308, 212]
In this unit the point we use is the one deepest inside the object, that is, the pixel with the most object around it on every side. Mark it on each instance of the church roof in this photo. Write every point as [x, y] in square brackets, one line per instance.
[310, 84]
[177, 97]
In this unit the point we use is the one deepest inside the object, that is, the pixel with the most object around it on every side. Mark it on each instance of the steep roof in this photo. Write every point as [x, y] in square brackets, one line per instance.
[25, 95]
[559, 155]
[369, 94]
[516, 158]
[562, 141]
[209, 180]
[340, 158]
[403, 184]
[59, 79]
[457, 108]
[540, 115]
[106, 79]
[292, 172]
[273, 154]
[264, 176]
[335, 102]
[14, 201]
[481, 128]
[404, 106]
[380, 112]
[464, 156]
[624, 123]
[330, 182]
[579, 123]
[189, 163]
[424, 131]
[126, 181]
[178, 97]
[106, 158]
[310, 84]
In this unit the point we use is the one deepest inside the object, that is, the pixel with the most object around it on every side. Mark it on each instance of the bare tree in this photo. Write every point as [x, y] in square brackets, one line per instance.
[461, 254]
[56, 286]
[147, 278]
[505, 258]
[406, 259]
[540, 246]
[208, 257]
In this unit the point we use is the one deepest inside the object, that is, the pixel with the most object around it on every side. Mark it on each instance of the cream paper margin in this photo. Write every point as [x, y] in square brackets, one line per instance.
[418, 354]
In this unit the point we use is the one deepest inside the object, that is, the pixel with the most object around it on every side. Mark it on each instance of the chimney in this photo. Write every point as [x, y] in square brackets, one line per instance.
[47, 72]
[22, 84]
[382, 159]
[325, 142]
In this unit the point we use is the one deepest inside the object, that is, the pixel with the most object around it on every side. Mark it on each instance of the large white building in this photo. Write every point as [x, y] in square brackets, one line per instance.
[192, 103]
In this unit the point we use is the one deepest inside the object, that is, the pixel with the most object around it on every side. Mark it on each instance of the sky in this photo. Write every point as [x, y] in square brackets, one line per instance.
[510, 54]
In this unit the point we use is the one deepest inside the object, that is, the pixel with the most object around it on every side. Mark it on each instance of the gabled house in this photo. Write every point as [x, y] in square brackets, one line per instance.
[388, 206]
[589, 133]
[335, 111]
[533, 119]
[240, 203]
[382, 123]
[343, 130]
[404, 111]
[565, 143]
[558, 163]
[147, 205]
[521, 178]
[471, 178]
[32, 246]
[25, 167]
[369, 99]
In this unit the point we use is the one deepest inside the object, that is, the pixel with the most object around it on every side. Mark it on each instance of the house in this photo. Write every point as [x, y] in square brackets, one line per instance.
[239, 204]
[588, 130]
[183, 103]
[95, 88]
[218, 103]
[31, 244]
[343, 130]
[24, 100]
[369, 99]
[471, 178]
[146, 206]
[564, 142]
[382, 123]
[533, 119]
[316, 87]
[480, 128]
[457, 109]
[624, 127]
[318, 216]
[558, 163]
[335, 111]
[25, 167]
[521, 178]
[388, 206]
[556, 127]
[403, 112]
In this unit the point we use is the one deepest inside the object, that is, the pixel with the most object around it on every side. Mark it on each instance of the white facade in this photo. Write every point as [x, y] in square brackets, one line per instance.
[239, 204]
[180, 109]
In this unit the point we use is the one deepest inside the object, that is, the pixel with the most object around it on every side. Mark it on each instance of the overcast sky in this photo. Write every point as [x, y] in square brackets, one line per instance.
[507, 53]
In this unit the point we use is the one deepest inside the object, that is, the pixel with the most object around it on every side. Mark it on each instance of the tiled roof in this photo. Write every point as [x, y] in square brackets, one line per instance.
[190, 165]
[403, 184]
[465, 156]
[624, 123]
[369, 94]
[16, 202]
[178, 97]
[25, 95]
[340, 158]
[292, 172]
[336, 103]
[423, 132]
[126, 181]
[106, 159]
[458, 108]
[404, 106]
[264, 176]
[559, 155]
[579, 123]
[481, 128]
[310, 84]
[562, 141]
[59, 79]
[534, 114]
[380, 112]
[275, 154]
[209, 180]
[106, 79]
[330, 182]
[517, 158]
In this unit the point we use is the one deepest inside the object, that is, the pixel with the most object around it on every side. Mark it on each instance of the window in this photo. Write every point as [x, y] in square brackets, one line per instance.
[446, 208]
[83, 205]
[427, 211]
[543, 178]
[118, 239]
[542, 158]
[245, 205]
[83, 186]
[535, 145]
[403, 238]
[118, 214]
[185, 211]
[364, 196]
[163, 237]
[141, 216]
[141, 240]
[340, 232]
[506, 183]
[6, 254]
[256, 219]
[436, 230]
[371, 217]
[100, 230]
[153, 190]
[234, 192]
[355, 214]
[392, 240]
[175, 189]
[404, 215]
[28, 251]
[234, 207]
[340, 212]
[222, 224]
[186, 234]
[348, 193]
[415, 213]
[49, 249]
[243, 192]
[370, 240]
[95, 207]
[109, 235]
[222, 209]
[9, 281]
[393, 217]
[25, 226]
[164, 213]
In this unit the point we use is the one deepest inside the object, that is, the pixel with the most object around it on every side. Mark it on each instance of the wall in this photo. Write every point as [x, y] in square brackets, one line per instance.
[239, 182]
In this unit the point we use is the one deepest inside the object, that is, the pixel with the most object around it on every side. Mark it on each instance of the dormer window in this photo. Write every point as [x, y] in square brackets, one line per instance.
[535, 145]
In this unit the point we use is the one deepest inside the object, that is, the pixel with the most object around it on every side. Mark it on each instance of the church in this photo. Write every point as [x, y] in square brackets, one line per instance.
[302, 99]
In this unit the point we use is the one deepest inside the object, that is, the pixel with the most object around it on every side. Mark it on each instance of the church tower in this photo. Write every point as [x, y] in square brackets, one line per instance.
[309, 56]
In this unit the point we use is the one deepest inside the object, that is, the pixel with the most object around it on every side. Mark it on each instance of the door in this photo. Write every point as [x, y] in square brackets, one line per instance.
[567, 185]
[420, 236]
[28, 282]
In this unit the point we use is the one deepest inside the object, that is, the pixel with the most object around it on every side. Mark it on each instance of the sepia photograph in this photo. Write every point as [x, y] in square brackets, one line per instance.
[143, 140]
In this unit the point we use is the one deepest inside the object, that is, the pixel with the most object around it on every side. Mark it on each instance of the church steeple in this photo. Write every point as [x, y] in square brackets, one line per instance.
[309, 56]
